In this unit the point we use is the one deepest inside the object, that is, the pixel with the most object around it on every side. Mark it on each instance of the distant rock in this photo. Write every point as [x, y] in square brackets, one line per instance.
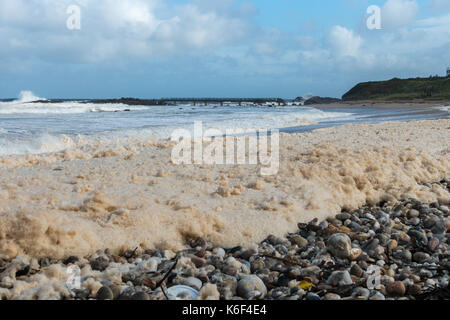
[321, 100]
[432, 88]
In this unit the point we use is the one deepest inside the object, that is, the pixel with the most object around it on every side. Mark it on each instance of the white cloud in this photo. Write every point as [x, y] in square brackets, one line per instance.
[399, 13]
[217, 37]
[119, 28]
[439, 4]
[345, 42]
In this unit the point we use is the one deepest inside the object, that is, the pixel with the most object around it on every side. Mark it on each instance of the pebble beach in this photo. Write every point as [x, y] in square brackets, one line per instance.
[329, 260]
[367, 225]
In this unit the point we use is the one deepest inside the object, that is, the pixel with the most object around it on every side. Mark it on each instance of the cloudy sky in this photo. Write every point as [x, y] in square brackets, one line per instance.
[228, 48]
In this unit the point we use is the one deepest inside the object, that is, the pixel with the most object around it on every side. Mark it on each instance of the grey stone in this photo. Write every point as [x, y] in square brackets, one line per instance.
[193, 283]
[105, 293]
[249, 284]
[339, 245]
[340, 278]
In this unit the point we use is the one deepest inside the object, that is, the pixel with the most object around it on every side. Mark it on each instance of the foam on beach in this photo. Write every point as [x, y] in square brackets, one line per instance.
[87, 198]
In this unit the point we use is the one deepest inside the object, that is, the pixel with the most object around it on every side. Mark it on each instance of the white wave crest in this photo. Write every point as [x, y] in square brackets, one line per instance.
[45, 143]
[444, 108]
[62, 108]
[28, 96]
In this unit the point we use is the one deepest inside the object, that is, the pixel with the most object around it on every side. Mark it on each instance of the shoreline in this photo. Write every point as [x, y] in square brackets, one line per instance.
[385, 104]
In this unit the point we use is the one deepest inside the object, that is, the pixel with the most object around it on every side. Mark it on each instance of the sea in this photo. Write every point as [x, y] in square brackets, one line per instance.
[27, 127]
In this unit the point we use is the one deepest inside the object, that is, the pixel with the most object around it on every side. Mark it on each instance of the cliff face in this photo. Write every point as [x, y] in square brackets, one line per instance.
[433, 88]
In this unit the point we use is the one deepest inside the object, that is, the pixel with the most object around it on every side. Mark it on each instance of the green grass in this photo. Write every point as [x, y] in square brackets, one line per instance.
[436, 88]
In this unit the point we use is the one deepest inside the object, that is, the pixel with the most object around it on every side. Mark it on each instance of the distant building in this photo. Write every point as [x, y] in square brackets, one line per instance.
[448, 72]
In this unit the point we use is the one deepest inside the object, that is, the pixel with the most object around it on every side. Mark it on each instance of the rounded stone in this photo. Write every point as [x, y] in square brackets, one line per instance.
[332, 296]
[396, 289]
[378, 296]
[115, 290]
[357, 271]
[414, 290]
[392, 245]
[99, 264]
[140, 296]
[419, 236]
[421, 257]
[105, 293]
[340, 245]
[71, 260]
[249, 284]
[197, 261]
[299, 240]
[312, 297]
[340, 278]
[343, 216]
[413, 213]
[433, 244]
[404, 255]
[361, 293]
[193, 283]
[439, 228]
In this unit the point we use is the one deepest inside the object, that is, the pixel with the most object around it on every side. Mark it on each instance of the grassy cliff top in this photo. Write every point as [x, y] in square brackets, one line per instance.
[433, 88]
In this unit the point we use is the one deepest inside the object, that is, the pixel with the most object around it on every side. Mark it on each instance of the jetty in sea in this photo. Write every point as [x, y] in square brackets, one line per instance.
[176, 101]
[222, 101]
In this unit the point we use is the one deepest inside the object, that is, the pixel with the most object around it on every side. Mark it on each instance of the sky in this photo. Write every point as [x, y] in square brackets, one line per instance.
[215, 48]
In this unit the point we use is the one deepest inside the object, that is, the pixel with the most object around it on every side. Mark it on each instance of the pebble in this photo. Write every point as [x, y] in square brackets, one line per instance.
[332, 296]
[140, 296]
[105, 293]
[361, 293]
[312, 296]
[357, 271]
[419, 236]
[299, 240]
[330, 260]
[413, 213]
[340, 278]
[99, 264]
[421, 257]
[392, 244]
[343, 216]
[340, 245]
[396, 288]
[439, 228]
[198, 262]
[193, 283]
[115, 290]
[377, 296]
[433, 244]
[249, 284]
[414, 290]
[71, 260]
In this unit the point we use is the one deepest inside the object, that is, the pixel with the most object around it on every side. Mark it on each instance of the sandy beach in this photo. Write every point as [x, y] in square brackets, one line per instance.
[81, 200]
[417, 104]
[67, 208]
